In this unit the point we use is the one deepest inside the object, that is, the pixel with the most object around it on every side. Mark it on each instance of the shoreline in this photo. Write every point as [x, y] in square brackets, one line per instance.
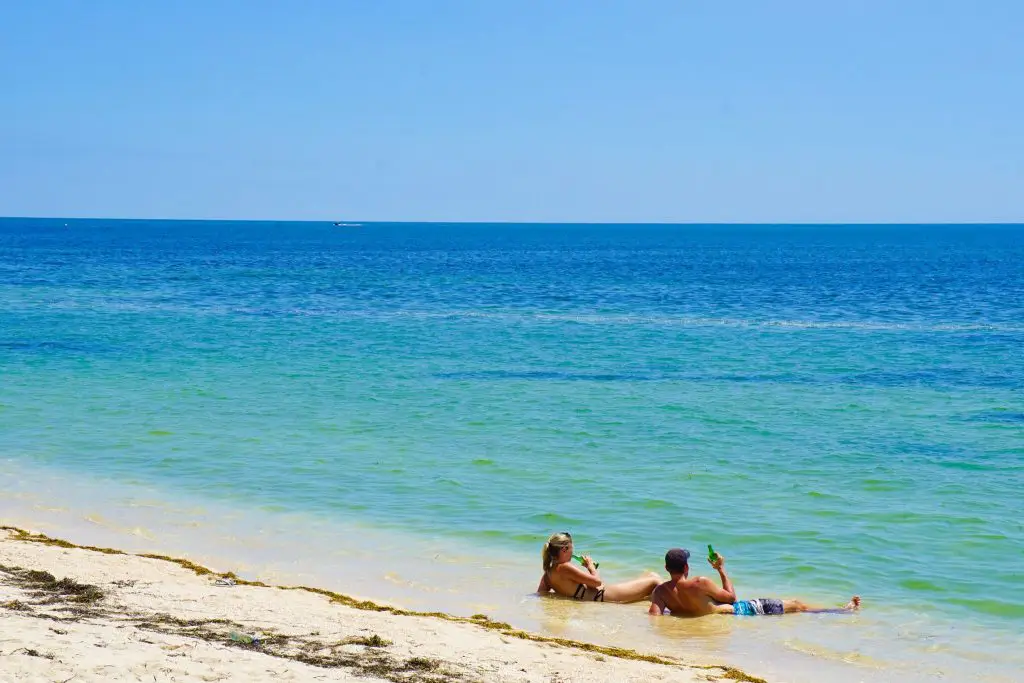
[470, 648]
[292, 551]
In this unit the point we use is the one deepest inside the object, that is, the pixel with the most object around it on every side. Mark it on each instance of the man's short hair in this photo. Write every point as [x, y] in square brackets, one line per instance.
[676, 560]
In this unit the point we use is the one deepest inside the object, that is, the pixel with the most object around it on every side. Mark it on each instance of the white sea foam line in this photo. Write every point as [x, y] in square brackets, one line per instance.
[581, 318]
[702, 322]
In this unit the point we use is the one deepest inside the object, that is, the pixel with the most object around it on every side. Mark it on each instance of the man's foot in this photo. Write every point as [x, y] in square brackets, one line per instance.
[854, 603]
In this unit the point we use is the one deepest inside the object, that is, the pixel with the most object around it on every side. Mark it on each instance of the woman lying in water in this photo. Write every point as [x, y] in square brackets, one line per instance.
[565, 578]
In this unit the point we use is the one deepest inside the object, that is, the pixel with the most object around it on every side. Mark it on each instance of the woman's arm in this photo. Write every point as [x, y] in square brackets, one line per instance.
[591, 578]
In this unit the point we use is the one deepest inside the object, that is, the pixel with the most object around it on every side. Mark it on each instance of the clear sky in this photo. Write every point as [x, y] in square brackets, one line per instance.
[524, 110]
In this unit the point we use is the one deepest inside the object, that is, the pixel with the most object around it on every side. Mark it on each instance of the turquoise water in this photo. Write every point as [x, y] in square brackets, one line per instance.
[837, 409]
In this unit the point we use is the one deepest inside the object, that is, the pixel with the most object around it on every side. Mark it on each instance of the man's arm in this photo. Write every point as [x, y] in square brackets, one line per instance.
[724, 595]
[657, 607]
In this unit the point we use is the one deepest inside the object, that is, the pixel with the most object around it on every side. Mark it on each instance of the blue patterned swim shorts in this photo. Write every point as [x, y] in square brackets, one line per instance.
[758, 607]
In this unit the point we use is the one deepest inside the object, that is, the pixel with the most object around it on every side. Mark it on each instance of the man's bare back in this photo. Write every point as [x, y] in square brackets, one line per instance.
[686, 597]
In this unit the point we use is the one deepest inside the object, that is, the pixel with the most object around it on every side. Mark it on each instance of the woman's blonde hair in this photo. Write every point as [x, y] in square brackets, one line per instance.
[554, 546]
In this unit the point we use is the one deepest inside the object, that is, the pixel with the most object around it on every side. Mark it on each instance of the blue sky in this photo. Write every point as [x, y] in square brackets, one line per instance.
[713, 111]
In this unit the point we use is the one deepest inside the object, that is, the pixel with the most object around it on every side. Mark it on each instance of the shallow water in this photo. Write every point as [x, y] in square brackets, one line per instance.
[837, 409]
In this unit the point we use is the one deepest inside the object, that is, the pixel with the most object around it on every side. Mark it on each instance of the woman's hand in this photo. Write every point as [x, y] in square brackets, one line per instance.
[589, 564]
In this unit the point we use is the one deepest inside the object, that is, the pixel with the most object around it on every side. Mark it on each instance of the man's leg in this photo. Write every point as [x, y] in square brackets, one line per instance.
[789, 606]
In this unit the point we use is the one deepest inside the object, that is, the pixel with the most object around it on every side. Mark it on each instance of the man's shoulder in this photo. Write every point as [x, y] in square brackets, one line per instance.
[662, 589]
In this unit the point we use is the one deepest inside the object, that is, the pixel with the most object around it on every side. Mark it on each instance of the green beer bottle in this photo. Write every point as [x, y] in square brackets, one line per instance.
[712, 555]
[579, 558]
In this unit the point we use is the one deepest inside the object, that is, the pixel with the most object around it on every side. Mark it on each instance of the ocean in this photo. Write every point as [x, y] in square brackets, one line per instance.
[407, 411]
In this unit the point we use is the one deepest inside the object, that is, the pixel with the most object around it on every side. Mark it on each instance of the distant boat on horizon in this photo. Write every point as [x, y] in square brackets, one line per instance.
[339, 224]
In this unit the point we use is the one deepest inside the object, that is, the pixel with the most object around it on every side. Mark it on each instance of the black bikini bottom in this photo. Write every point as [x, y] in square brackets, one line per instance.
[581, 593]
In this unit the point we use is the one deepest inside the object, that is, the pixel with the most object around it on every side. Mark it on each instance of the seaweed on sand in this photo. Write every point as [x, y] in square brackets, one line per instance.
[46, 585]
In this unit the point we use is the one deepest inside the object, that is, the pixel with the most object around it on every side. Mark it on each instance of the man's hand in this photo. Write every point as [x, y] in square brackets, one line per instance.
[724, 595]
[719, 562]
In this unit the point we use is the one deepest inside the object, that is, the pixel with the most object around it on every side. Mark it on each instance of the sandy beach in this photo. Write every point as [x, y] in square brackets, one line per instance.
[72, 613]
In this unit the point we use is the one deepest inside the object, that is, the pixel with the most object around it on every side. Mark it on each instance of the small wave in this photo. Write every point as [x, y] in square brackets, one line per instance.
[996, 417]
[823, 496]
[489, 533]
[698, 321]
[922, 585]
[550, 375]
[941, 377]
[552, 519]
[883, 485]
[656, 504]
[201, 307]
[996, 608]
[969, 466]
[46, 346]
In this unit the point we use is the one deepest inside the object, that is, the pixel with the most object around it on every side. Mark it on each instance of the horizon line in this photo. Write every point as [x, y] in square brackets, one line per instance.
[510, 222]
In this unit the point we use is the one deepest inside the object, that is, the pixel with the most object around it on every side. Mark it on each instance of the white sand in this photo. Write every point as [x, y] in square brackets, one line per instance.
[121, 636]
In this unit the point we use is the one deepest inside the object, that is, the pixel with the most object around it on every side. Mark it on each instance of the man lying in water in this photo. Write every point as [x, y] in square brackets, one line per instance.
[682, 596]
